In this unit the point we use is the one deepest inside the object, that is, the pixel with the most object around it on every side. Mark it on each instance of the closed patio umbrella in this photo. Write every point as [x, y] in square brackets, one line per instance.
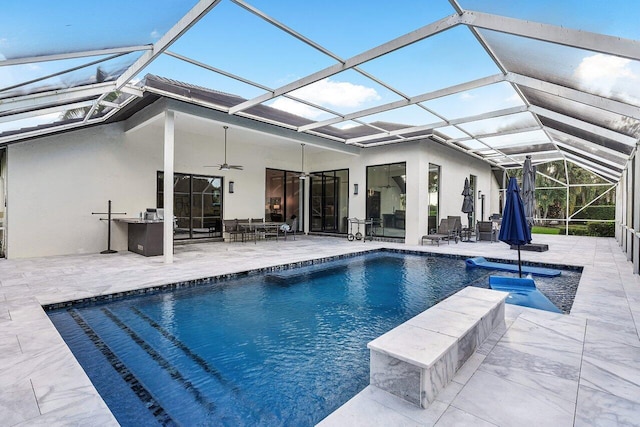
[467, 202]
[514, 229]
[529, 190]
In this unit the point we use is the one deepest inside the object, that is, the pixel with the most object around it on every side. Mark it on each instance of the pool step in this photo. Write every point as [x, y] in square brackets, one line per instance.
[174, 392]
[154, 407]
[181, 375]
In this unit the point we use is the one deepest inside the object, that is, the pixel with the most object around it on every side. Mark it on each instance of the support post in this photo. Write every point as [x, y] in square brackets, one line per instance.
[168, 186]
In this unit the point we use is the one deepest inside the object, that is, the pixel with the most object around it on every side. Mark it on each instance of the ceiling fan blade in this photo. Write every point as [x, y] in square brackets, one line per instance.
[238, 167]
[212, 166]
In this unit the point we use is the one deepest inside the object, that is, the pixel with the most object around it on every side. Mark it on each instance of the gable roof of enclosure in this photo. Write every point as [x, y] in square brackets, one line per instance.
[498, 80]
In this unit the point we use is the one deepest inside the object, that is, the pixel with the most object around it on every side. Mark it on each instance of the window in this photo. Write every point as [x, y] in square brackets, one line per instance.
[197, 205]
[330, 201]
[386, 198]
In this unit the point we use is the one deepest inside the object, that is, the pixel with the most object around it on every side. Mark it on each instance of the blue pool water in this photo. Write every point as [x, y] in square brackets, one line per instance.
[279, 348]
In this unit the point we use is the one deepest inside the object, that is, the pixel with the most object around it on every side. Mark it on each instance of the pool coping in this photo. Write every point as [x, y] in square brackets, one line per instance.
[185, 284]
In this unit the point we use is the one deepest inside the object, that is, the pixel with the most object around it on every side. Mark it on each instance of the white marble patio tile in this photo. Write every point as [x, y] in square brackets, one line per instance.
[17, 403]
[80, 274]
[444, 321]
[4, 311]
[600, 409]
[602, 311]
[65, 394]
[427, 416]
[366, 412]
[447, 394]
[9, 347]
[505, 403]
[467, 370]
[535, 372]
[560, 343]
[482, 294]
[413, 344]
[464, 305]
[600, 332]
[454, 417]
[548, 319]
[616, 371]
[66, 417]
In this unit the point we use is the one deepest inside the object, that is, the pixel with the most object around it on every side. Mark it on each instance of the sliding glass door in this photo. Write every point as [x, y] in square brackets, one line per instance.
[330, 201]
[197, 205]
[284, 194]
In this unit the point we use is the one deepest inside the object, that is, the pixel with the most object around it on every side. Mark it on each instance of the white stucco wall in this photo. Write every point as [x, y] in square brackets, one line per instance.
[55, 183]
[58, 181]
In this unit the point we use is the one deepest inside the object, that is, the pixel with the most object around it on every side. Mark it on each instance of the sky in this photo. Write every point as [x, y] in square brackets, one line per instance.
[238, 42]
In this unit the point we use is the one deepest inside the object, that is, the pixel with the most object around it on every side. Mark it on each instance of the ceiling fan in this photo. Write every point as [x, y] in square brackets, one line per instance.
[225, 166]
[305, 175]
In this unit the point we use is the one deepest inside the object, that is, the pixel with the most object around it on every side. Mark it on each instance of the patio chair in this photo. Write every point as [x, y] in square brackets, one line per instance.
[443, 233]
[257, 224]
[232, 229]
[293, 226]
[486, 231]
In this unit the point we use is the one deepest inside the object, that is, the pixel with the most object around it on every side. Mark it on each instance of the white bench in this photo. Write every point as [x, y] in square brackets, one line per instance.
[417, 359]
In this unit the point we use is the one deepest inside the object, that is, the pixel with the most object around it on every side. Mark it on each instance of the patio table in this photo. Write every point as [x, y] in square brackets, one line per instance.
[268, 228]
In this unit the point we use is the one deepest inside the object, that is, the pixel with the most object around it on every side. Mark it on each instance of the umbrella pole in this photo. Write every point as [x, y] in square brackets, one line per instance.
[519, 263]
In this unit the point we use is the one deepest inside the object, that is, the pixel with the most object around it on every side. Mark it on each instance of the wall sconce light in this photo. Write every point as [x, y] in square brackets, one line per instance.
[231, 186]
[355, 189]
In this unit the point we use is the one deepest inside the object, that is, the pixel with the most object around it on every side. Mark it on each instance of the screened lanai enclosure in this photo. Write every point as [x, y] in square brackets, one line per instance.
[495, 80]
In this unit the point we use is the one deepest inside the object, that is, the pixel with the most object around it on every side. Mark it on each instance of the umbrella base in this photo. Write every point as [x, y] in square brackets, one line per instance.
[534, 247]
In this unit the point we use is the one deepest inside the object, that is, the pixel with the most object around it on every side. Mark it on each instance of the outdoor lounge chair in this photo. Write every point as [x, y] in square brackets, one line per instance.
[444, 232]
[455, 227]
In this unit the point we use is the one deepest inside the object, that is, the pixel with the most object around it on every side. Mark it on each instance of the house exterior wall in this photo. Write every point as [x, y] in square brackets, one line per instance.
[56, 182]
[455, 167]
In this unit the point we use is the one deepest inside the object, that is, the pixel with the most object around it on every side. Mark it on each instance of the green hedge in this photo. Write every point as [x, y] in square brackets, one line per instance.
[596, 229]
[602, 229]
[578, 230]
[605, 212]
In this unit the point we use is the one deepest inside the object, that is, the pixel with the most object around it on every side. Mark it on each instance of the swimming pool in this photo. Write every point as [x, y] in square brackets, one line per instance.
[279, 348]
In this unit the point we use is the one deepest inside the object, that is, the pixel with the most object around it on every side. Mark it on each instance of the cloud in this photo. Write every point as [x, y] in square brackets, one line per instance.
[297, 108]
[604, 74]
[347, 125]
[466, 95]
[155, 34]
[329, 93]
